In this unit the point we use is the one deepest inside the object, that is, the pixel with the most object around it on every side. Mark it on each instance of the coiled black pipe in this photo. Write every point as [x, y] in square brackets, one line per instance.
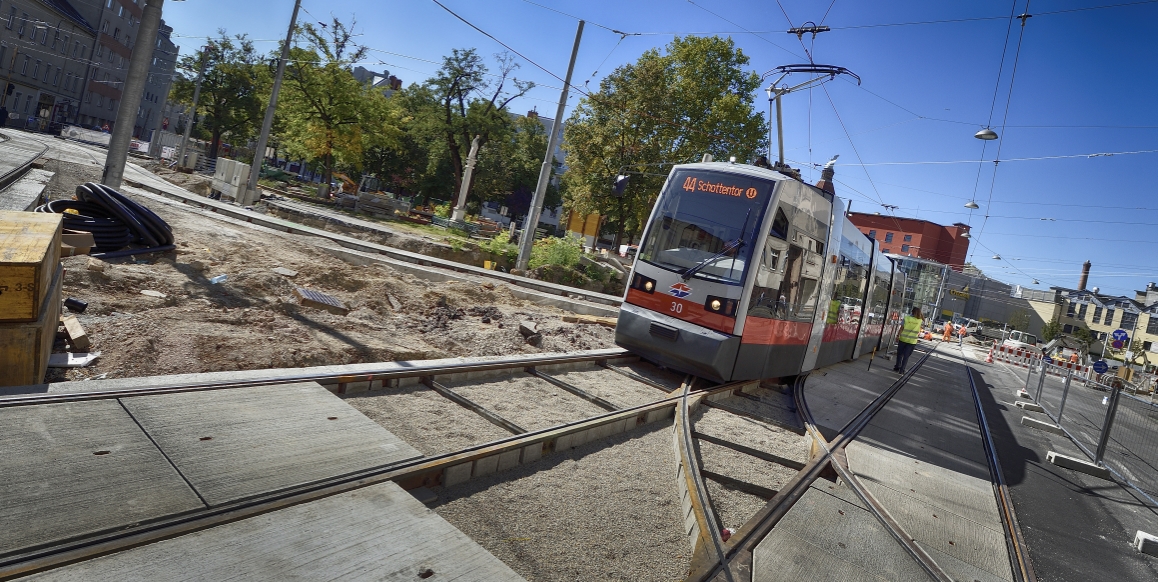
[114, 221]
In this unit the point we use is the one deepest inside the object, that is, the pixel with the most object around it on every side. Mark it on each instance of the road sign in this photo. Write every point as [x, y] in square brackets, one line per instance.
[1101, 367]
[1117, 344]
[1120, 335]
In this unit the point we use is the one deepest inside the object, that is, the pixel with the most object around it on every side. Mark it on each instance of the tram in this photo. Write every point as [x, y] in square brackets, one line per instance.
[745, 273]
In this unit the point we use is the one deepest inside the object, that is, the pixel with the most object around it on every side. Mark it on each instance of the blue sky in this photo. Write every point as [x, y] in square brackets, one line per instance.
[1085, 84]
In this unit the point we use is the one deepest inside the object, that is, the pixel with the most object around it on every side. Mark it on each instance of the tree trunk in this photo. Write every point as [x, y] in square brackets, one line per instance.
[214, 142]
[619, 226]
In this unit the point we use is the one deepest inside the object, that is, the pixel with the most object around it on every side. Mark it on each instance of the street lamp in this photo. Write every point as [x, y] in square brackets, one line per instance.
[986, 134]
[972, 205]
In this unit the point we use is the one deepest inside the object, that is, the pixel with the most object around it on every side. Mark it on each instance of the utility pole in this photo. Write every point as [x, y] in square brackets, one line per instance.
[193, 112]
[114, 170]
[460, 208]
[532, 221]
[267, 123]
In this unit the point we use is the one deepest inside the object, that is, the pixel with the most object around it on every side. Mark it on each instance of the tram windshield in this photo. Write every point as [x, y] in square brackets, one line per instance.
[706, 224]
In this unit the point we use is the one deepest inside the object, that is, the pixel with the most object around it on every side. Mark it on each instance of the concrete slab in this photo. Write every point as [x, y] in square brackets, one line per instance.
[1077, 464]
[953, 492]
[376, 533]
[233, 444]
[79, 468]
[26, 193]
[824, 537]
[1029, 406]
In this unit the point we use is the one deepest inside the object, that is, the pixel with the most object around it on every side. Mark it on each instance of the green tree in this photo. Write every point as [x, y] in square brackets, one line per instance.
[329, 117]
[693, 98]
[234, 89]
[508, 169]
[1085, 339]
[470, 105]
[1051, 330]
[1019, 320]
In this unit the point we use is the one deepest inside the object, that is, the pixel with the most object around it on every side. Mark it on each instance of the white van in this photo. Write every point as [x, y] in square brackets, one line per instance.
[1020, 340]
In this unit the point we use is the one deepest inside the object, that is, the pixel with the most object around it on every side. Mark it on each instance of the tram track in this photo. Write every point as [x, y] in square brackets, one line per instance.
[25, 157]
[523, 446]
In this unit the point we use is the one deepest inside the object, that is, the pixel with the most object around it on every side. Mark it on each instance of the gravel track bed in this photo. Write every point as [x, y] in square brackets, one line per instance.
[662, 376]
[737, 465]
[733, 508]
[527, 401]
[751, 433]
[426, 420]
[614, 388]
[608, 510]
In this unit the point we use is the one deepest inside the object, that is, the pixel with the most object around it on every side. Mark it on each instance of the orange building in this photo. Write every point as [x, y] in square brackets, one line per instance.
[916, 238]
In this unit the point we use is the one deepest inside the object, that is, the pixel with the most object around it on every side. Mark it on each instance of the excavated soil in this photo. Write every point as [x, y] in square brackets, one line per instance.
[253, 320]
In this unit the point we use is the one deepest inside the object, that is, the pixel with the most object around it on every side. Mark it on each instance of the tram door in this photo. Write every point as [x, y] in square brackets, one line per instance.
[778, 331]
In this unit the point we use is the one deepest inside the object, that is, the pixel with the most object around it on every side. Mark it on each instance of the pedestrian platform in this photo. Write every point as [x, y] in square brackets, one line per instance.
[921, 457]
[78, 470]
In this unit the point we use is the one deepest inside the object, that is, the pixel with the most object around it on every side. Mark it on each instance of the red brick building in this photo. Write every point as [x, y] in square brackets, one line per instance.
[916, 238]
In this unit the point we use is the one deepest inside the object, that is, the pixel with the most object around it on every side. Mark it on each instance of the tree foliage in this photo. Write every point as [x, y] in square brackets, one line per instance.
[234, 89]
[328, 116]
[1051, 330]
[668, 107]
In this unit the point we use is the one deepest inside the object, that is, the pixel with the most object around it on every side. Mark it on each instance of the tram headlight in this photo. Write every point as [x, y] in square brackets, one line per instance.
[721, 305]
[645, 284]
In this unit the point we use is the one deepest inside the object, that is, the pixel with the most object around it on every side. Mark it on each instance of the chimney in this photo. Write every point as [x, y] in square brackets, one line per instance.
[533, 114]
[1085, 276]
[826, 175]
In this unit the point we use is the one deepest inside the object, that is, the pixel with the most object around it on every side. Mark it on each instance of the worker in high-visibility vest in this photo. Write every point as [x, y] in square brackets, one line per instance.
[961, 335]
[907, 340]
[948, 332]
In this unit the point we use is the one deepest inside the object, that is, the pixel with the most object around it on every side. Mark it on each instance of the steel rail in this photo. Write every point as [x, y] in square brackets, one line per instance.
[425, 471]
[1020, 562]
[16, 173]
[744, 541]
[324, 378]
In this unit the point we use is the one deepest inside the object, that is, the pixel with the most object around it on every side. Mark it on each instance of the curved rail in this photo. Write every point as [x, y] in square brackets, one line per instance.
[14, 174]
[1018, 551]
[738, 549]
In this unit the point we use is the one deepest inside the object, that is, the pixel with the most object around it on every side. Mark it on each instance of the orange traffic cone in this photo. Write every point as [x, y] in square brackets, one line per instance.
[989, 358]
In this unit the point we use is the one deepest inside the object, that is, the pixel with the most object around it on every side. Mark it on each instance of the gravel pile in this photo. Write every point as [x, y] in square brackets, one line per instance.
[608, 510]
[426, 420]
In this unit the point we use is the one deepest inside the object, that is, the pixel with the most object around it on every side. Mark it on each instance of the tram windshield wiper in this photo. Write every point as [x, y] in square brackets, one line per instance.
[728, 249]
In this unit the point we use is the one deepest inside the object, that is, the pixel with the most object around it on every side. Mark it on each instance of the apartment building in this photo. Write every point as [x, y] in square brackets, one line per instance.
[45, 46]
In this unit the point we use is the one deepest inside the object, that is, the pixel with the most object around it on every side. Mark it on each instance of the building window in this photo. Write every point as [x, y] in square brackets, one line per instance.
[1097, 314]
[64, 46]
[24, 68]
[44, 36]
[47, 72]
[904, 248]
[75, 47]
[23, 23]
[1128, 320]
[105, 27]
[1152, 324]
[886, 251]
[1109, 317]
[1146, 345]
[36, 69]
[1070, 309]
[908, 238]
[1067, 328]
[1082, 310]
[55, 39]
[888, 237]
[56, 78]
[11, 18]
[872, 234]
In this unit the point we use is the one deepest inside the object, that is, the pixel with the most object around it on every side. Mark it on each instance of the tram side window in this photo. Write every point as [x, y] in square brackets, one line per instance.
[787, 282]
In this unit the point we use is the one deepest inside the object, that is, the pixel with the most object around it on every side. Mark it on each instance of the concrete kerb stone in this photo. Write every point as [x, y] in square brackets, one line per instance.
[457, 474]
[1081, 465]
[1029, 406]
[1031, 422]
[1146, 543]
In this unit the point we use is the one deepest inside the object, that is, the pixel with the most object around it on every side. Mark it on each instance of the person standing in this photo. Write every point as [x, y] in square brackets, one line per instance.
[907, 340]
[947, 333]
[961, 336]
[3, 115]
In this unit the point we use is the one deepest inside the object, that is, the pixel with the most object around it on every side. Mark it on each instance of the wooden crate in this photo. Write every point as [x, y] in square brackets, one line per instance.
[25, 346]
[29, 256]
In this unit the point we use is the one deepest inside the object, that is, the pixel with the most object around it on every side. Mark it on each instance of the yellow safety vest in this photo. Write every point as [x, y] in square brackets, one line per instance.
[912, 327]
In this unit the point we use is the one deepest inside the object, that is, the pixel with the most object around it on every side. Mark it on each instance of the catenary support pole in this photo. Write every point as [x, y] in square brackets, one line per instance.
[460, 208]
[267, 123]
[532, 221]
[134, 87]
[193, 110]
